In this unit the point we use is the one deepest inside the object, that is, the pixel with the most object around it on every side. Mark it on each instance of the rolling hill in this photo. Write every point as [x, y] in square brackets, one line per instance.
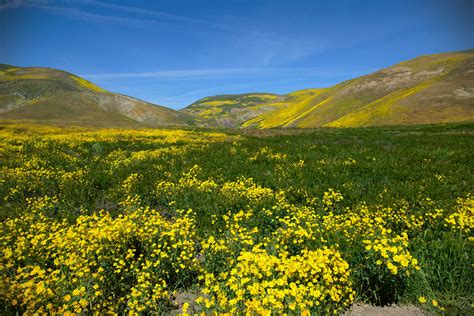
[429, 89]
[233, 109]
[50, 96]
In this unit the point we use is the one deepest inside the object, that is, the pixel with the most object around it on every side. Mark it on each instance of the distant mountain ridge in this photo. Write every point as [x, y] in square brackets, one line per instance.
[429, 89]
[52, 96]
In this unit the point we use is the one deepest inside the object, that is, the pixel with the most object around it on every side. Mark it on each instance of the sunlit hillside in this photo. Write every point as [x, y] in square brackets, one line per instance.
[232, 110]
[425, 90]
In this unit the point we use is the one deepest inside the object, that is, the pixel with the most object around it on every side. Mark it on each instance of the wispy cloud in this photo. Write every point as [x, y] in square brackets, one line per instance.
[83, 15]
[263, 47]
[267, 46]
[143, 18]
[193, 74]
[177, 74]
[178, 19]
[14, 4]
[205, 82]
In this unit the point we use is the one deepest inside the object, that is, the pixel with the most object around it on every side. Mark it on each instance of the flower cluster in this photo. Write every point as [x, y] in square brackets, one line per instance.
[391, 252]
[262, 283]
[128, 263]
[462, 219]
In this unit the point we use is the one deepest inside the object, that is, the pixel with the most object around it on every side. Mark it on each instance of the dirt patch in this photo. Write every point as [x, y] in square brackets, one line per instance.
[369, 310]
[185, 297]
[465, 93]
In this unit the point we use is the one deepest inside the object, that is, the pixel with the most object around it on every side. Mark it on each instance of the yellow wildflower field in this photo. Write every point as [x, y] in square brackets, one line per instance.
[123, 221]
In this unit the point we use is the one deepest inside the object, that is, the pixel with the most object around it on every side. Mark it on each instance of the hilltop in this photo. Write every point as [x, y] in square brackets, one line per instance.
[52, 96]
[232, 109]
[429, 89]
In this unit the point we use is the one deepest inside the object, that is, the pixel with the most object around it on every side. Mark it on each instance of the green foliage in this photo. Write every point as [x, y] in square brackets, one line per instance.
[382, 201]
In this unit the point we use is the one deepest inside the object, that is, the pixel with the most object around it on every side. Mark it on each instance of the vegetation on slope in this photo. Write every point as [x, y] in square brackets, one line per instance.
[52, 96]
[425, 90]
[233, 109]
[291, 107]
[126, 221]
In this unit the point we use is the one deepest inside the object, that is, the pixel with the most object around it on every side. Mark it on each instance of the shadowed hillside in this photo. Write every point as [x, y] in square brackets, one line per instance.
[52, 96]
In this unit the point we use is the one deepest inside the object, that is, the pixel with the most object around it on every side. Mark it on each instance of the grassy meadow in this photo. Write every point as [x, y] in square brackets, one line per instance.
[232, 221]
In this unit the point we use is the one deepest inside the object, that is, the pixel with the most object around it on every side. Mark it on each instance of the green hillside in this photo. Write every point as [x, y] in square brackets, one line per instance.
[233, 109]
[51, 96]
[429, 89]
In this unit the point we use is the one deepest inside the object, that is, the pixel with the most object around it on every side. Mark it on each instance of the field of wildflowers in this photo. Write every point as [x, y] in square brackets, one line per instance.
[126, 221]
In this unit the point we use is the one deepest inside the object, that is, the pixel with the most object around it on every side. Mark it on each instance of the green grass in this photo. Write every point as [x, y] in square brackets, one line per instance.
[418, 168]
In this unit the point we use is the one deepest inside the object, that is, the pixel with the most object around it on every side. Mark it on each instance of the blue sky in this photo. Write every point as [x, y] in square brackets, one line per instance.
[174, 52]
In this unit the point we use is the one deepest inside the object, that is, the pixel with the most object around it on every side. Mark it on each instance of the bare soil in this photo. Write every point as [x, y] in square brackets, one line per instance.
[395, 310]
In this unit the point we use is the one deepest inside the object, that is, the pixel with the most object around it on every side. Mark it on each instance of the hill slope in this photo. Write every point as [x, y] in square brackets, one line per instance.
[233, 109]
[53, 96]
[429, 89]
